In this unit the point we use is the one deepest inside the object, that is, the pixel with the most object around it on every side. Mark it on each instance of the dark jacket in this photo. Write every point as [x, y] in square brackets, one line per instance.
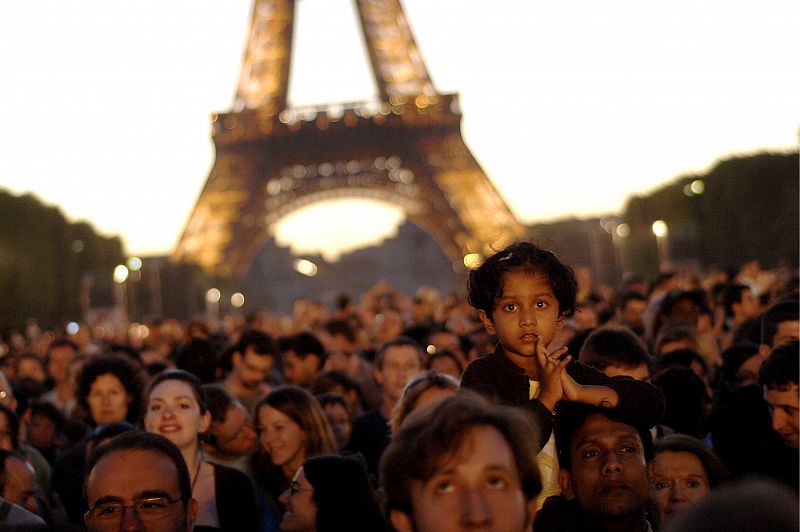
[503, 382]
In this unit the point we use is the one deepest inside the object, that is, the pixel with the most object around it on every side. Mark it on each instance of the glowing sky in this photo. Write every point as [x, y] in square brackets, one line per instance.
[570, 106]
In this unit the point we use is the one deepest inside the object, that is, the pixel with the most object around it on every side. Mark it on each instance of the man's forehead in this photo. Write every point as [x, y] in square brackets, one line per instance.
[483, 443]
[598, 427]
[789, 396]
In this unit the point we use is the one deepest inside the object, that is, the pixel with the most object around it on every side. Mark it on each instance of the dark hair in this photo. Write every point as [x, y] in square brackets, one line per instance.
[715, 470]
[328, 380]
[414, 389]
[398, 341]
[431, 439]
[305, 343]
[732, 294]
[732, 359]
[325, 399]
[342, 494]
[50, 411]
[301, 407]
[445, 353]
[122, 367]
[780, 370]
[138, 440]
[218, 401]
[485, 285]
[260, 342]
[182, 376]
[673, 331]
[341, 327]
[614, 346]
[680, 357]
[774, 316]
[571, 417]
[686, 398]
[199, 358]
[631, 296]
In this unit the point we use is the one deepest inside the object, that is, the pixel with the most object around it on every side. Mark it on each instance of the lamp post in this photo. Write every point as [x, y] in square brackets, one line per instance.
[213, 295]
[661, 231]
[120, 295]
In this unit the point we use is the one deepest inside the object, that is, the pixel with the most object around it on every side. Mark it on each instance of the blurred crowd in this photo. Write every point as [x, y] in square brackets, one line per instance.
[252, 400]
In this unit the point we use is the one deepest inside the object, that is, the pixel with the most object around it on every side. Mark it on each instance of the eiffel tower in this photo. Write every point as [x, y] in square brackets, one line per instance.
[406, 150]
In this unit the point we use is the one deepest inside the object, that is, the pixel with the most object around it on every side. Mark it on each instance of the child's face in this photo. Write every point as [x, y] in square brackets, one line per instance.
[526, 309]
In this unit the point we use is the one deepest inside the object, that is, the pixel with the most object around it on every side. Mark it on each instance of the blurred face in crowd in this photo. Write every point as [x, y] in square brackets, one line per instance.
[783, 406]
[476, 487]
[339, 420]
[173, 412]
[252, 368]
[32, 369]
[747, 374]
[129, 477]
[235, 435]
[282, 438]
[20, 484]
[6, 437]
[633, 312]
[301, 511]
[108, 400]
[609, 476]
[446, 365]
[300, 371]
[679, 480]
[787, 331]
[41, 431]
[401, 363]
[58, 363]
[749, 306]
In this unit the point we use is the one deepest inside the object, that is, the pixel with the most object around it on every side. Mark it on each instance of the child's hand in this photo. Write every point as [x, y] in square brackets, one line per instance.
[550, 370]
[572, 390]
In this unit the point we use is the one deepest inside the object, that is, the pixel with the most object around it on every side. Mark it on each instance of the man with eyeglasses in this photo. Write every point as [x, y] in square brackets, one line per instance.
[139, 482]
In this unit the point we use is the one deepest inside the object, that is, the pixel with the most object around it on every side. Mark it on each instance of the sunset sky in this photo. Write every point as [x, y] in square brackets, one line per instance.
[570, 106]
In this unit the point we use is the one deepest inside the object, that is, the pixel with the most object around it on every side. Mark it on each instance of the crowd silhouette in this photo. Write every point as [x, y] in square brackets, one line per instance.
[537, 399]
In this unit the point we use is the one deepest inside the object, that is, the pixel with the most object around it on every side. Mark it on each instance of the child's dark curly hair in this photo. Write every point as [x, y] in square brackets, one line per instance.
[485, 285]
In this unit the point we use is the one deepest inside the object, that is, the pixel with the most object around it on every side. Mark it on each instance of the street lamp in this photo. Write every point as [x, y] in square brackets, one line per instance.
[213, 295]
[661, 232]
[120, 296]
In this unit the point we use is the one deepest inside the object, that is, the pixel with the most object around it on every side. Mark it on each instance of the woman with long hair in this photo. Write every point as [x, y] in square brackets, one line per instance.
[291, 428]
[176, 409]
[330, 493]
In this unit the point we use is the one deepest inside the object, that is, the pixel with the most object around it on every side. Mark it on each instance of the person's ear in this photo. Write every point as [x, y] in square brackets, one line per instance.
[565, 483]
[560, 321]
[236, 359]
[191, 513]
[488, 324]
[205, 421]
[401, 521]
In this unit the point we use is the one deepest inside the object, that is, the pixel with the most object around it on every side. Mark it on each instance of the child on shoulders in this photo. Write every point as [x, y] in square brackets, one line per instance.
[523, 295]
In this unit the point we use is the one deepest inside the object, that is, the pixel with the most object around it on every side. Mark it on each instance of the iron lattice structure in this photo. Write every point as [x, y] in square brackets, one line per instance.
[405, 149]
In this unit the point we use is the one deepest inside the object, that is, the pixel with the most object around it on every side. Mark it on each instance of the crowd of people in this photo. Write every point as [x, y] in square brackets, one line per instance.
[537, 400]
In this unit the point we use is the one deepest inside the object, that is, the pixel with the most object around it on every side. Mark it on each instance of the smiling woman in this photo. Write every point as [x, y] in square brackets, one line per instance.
[291, 427]
[176, 409]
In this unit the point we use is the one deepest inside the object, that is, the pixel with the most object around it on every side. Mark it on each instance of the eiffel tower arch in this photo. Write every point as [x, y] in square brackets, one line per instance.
[405, 149]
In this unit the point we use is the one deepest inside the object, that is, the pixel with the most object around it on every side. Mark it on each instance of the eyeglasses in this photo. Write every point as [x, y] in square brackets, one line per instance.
[149, 509]
[295, 487]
